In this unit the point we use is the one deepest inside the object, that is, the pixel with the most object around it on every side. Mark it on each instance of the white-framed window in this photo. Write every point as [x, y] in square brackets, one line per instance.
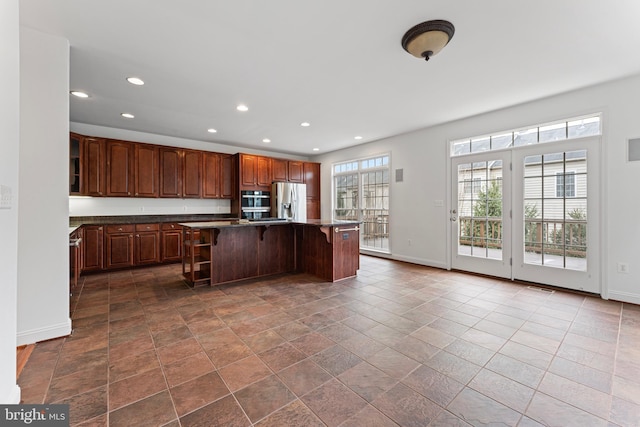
[577, 127]
[566, 184]
[361, 192]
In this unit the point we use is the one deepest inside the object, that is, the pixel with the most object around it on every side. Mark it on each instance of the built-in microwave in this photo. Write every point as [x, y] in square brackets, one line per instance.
[255, 204]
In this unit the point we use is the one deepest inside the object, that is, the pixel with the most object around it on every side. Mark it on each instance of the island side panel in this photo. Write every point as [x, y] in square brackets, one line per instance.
[276, 249]
[235, 255]
[346, 252]
[315, 252]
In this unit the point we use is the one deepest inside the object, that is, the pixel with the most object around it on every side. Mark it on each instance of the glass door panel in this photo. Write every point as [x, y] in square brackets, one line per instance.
[478, 220]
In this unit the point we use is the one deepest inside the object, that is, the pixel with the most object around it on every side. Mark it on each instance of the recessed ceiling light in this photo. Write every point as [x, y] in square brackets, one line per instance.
[358, 137]
[79, 94]
[135, 81]
[211, 130]
[316, 149]
[127, 115]
[266, 140]
[305, 124]
[242, 107]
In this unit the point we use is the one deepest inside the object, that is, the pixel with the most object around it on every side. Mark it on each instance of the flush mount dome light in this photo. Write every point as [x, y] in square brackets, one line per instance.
[428, 38]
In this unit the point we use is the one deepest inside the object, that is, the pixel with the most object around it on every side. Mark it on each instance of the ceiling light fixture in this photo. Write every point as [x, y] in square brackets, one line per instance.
[135, 81]
[316, 149]
[79, 94]
[357, 137]
[428, 38]
[305, 124]
[266, 140]
[211, 130]
[127, 115]
[242, 107]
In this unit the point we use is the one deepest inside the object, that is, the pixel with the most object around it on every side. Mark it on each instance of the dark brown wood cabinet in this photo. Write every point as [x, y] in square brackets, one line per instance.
[119, 246]
[279, 169]
[192, 174]
[255, 172]
[312, 179]
[295, 171]
[170, 172]
[119, 156]
[147, 244]
[92, 248]
[76, 160]
[171, 242]
[228, 178]
[287, 170]
[146, 170]
[93, 167]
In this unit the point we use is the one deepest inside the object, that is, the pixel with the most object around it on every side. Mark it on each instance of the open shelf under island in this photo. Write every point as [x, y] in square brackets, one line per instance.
[229, 251]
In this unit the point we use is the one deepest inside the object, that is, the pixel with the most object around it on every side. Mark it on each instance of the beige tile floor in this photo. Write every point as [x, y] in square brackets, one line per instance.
[398, 345]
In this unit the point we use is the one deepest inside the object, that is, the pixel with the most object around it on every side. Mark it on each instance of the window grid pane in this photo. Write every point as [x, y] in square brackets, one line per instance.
[562, 130]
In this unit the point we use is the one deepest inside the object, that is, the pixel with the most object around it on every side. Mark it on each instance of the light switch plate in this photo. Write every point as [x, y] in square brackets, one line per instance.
[5, 197]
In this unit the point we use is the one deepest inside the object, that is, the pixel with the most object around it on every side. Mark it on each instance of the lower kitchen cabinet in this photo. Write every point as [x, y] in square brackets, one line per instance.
[147, 244]
[119, 246]
[92, 248]
[171, 242]
[106, 247]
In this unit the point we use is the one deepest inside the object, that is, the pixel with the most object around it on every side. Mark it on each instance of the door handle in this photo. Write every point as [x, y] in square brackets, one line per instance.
[453, 219]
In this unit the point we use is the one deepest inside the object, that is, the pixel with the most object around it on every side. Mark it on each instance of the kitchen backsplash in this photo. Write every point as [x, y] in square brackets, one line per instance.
[99, 206]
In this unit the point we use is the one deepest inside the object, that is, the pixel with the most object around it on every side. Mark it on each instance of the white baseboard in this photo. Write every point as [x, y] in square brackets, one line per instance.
[41, 334]
[412, 260]
[13, 397]
[624, 297]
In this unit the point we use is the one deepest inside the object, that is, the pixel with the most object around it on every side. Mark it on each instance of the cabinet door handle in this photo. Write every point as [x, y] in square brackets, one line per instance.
[119, 228]
[128, 193]
[138, 236]
[136, 194]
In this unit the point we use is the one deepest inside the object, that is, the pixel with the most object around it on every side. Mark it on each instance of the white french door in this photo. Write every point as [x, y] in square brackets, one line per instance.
[529, 213]
[556, 201]
[481, 226]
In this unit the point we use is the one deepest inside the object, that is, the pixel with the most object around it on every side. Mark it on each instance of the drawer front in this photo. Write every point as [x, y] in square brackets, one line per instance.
[120, 228]
[168, 226]
[147, 227]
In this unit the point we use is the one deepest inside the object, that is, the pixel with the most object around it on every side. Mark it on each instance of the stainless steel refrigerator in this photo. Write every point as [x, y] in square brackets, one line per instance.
[289, 200]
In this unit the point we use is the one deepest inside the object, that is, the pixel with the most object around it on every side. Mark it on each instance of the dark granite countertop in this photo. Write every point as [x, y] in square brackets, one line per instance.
[244, 223]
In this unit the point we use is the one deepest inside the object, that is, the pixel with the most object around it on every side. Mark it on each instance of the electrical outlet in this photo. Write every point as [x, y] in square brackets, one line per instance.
[623, 267]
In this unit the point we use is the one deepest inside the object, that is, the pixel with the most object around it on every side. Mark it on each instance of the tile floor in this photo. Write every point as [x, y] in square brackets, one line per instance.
[398, 345]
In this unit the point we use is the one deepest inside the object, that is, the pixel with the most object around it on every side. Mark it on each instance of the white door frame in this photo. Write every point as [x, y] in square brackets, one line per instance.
[597, 257]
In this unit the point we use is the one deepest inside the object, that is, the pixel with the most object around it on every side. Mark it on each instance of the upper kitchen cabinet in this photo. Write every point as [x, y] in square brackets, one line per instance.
[93, 167]
[312, 179]
[146, 170]
[76, 159]
[170, 172]
[217, 176]
[229, 178]
[180, 173]
[120, 164]
[287, 170]
[192, 174]
[255, 172]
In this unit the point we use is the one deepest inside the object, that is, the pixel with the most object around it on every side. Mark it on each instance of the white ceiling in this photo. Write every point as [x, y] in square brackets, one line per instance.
[337, 64]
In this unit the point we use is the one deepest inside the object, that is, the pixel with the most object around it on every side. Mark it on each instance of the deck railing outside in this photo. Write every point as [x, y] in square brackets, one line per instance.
[557, 237]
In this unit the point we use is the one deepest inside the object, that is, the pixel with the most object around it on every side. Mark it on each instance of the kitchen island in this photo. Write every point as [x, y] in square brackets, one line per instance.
[229, 251]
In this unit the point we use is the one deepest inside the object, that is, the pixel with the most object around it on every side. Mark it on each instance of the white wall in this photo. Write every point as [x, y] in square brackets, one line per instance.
[423, 156]
[90, 206]
[9, 143]
[43, 237]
